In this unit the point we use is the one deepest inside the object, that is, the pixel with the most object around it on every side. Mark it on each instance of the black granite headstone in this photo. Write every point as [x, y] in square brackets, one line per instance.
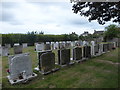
[39, 55]
[47, 61]
[63, 56]
[77, 53]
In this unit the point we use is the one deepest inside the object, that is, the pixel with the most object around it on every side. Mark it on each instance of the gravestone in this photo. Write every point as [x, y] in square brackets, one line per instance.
[96, 49]
[4, 51]
[47, 61]
[39, 47]
[56, 46]
[52, 45]
[16, 44]
[84, 43]
[20, 68]
[92, 48]
[81, 43]
[61, 45]
[100, 48]
[68, 44]
[72, 44]
[64, 56]
[24, 45]
[17, 49]
[86, 51]
[8, 45]
[76, 43]
[38, 57]
[105, 47]
[47, 47]
[77, 53]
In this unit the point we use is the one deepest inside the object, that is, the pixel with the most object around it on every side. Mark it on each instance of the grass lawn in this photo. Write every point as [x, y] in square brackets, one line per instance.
[98, 72]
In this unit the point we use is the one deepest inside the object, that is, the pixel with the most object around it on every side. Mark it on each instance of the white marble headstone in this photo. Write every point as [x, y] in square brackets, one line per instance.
[40, 47]
[56, 45]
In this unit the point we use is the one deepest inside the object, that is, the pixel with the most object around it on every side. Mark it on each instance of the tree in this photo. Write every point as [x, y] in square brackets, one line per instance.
[112, 31]
[100, 11]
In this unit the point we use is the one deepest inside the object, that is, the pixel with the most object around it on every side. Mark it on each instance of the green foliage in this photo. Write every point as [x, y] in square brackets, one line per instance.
[100, 11]
[32, 37]
[112, 31]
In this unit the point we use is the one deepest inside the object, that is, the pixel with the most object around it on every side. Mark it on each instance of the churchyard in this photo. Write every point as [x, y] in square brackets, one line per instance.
[100, 71]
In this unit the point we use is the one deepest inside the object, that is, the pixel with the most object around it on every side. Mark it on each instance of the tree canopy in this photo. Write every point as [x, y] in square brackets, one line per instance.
[100, 11]
[112, 31]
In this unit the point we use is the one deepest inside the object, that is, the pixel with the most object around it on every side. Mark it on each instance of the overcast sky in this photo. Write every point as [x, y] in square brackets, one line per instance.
[49, 17]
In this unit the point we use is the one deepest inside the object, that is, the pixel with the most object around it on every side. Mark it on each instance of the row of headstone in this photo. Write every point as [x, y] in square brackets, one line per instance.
[58, 45]
[20, 67]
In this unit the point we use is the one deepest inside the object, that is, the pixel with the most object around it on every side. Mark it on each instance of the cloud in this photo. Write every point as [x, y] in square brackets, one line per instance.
[49, 17]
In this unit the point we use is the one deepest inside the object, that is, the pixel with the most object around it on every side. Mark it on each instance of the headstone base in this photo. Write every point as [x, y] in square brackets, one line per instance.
[21, 80]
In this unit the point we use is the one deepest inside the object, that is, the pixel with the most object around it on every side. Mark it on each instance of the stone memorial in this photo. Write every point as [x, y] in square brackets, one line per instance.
[16, 44]
[20, 68]
[47, 46]
[40, 47]
[100, 49]
[68, 44]
[47, 62]
[96, 49]
[86, 51]
[72, 43]
[4, 51]
[77, 53]
[105, 47]
[24, 45]
[39, 53]
[52, 45]
[92, 48]
[8, 45]
[64, 57]
[17, 49]
[56, 45]
[61, 45]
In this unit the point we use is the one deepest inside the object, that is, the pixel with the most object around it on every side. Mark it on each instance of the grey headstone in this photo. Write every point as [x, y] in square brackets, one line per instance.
[24, 45]
[47, 61]
[8, 45]
[4, 51]
[63, 56]
[77, 53]
[40, 47]
[18, 64]
[18, 49]
[96, 48]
